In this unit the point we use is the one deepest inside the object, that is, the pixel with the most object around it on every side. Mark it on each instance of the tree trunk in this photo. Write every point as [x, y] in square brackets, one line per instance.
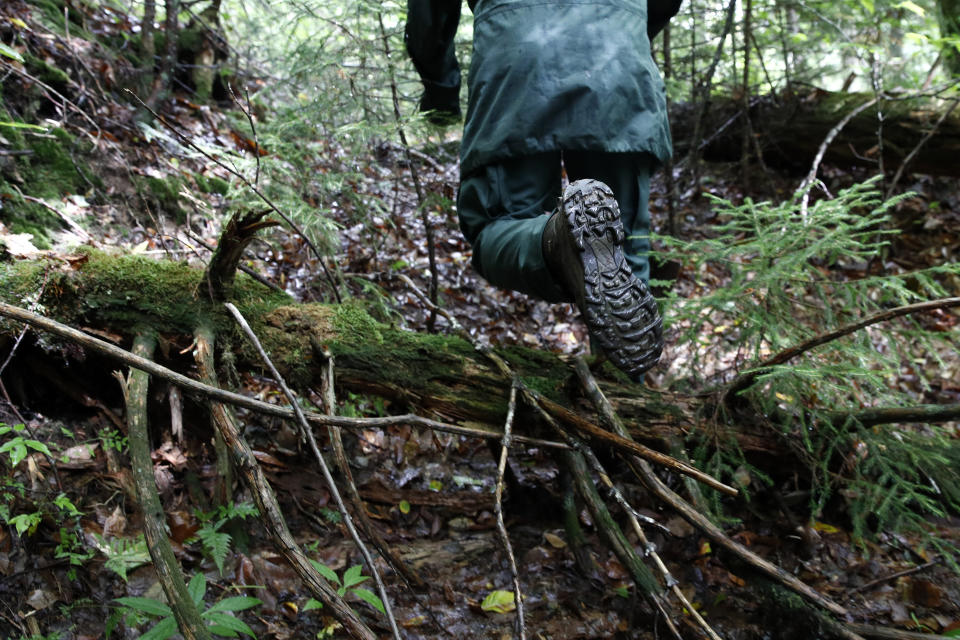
[440, 377]
[147, 44]
[948, 15]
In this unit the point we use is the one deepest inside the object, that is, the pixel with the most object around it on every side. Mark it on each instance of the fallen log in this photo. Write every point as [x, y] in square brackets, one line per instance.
[442, 377]
[790, 127]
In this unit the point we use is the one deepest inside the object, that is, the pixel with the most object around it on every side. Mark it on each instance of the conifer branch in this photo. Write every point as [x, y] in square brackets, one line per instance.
[746, 378]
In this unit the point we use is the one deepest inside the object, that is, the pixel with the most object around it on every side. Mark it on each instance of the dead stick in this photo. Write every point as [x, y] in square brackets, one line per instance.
[669, 581]
[154, 522]
[307, 432]
[650, 550]
[270, 513]
[894, 576]
[236, 399]
[645, 472]
[340, 455]
[804, 187]
[626, 445]
[498, 509]
[872, 631]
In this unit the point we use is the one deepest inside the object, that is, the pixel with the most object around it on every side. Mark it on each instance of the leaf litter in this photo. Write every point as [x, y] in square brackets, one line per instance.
[430, 494]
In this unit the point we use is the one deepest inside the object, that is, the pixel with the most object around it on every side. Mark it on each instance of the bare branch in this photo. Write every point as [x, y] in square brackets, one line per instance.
[746, 378]
[498, 508]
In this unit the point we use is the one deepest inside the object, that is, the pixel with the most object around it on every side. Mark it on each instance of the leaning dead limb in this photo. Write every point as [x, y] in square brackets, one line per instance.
[307, 433]
[263, 496]
[154, 523]
[669, 581]
[645, 472]
[746, 378]
[804, 187]
[339, 453]
[498, 509]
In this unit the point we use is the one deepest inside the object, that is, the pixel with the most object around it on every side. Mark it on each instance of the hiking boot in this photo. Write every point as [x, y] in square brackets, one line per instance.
[582, 245]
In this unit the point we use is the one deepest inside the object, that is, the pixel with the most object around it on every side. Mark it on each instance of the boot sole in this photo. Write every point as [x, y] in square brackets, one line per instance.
[618, 308]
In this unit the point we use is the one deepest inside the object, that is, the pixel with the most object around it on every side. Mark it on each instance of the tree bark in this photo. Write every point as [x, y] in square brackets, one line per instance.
[948, 16]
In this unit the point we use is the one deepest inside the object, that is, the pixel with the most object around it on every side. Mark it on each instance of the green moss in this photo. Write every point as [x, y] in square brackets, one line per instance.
[51, 171]
[21, 216]
[211, 184]
[353, 324]
[51, 12]
[47, 73]
[164, 193]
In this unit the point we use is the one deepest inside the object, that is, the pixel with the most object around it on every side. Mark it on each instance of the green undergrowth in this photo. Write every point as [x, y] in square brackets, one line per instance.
[788, 278]
[51, 168]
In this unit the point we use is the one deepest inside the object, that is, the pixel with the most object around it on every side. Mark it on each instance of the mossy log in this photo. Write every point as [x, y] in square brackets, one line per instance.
[437, 376]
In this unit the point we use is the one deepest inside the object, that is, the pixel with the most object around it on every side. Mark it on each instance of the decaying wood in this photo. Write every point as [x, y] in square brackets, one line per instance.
[239, 232]
[154, 521]
[790, 127]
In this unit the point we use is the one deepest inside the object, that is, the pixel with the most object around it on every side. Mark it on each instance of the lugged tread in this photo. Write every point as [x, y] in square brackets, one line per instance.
[618, 308]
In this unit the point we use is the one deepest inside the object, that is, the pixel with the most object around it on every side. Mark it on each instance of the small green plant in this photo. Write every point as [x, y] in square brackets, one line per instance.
[113, 439]
[123, 553]
[216, 543]
[18, 447]
[351, 578]
[71, 548]
[218, 617]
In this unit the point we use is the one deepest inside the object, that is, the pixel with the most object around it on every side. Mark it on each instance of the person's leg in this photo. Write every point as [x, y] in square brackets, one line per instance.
[628, 176]
[501, 209]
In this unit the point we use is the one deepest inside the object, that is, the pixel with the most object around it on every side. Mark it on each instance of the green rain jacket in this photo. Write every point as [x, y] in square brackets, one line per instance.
[546, 75]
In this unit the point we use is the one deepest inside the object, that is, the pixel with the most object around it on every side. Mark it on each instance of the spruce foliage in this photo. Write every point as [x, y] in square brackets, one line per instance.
[791, 277]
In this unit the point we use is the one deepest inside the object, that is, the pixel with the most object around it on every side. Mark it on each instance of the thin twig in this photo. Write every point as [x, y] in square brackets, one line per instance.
[424, 215]
[253, 129]
[913, 152]
[893, 576]
[27, 76]
[340, 455]
[872, 631]
[76, 228]
[804, 187]
[593, 390]
[645, 472]
[746, 378]
[498, 509]
[246, 181]
[307, 433]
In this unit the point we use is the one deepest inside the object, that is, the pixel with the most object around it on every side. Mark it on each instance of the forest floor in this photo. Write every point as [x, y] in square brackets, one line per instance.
[430, 494]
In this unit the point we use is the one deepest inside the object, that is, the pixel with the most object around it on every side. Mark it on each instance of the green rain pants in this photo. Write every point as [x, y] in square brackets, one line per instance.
[503, 208]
